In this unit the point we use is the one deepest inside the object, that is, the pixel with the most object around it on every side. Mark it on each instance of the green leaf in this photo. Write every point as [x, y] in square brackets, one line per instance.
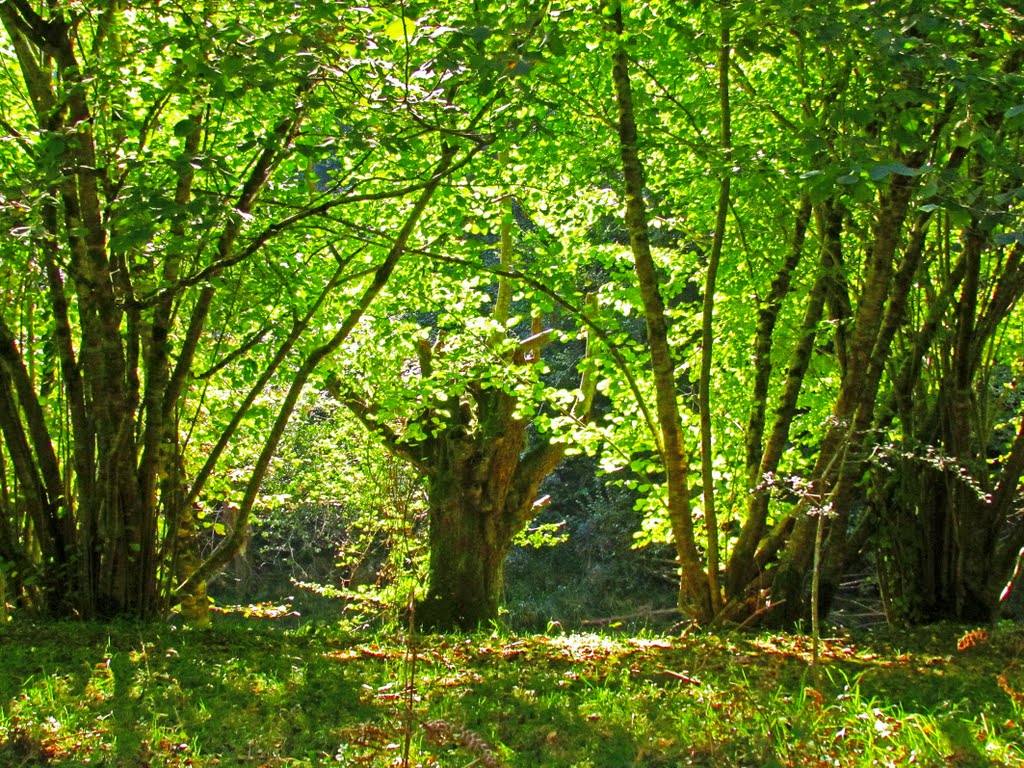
[555, 44]
[400, 29]
[131, 238]
[904, 170]
[959, 215]
[879, 172]
[521, 67]
[884, 170]
[184, 127]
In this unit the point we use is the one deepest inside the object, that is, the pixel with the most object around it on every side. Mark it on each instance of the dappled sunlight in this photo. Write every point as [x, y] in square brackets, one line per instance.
[247, 692]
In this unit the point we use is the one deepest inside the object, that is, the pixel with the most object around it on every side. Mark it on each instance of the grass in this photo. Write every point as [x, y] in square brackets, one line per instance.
[250, 694]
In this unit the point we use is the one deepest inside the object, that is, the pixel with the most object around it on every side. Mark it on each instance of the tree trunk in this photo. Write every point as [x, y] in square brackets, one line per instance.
[194, 604]
[764, 457]
[947, 536]
[841, 456]
[483, 479]
[468, 545]
[695, 597]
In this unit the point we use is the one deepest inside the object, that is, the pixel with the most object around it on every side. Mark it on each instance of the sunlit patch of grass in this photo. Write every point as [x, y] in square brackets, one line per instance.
[72, 695]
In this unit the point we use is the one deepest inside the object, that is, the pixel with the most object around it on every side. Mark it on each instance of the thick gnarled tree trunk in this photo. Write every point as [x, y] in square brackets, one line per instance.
[476, 507]
[482, 490]
[482, 477]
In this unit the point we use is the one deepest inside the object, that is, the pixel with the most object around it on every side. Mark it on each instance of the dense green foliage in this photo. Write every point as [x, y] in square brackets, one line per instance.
[241, 695]
[761, 261]
[179, 245]
[318, 296]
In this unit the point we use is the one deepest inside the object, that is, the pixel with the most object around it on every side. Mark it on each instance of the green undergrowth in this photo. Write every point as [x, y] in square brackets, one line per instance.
[249, 694]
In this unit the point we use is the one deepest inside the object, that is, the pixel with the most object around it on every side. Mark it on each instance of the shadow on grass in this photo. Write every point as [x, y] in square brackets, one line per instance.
[132, 692]
[244, 695]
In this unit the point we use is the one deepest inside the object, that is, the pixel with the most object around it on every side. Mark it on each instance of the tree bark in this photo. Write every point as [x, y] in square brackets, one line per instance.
[471, 525]
[707, 319]
[840, 456]
[694, 596]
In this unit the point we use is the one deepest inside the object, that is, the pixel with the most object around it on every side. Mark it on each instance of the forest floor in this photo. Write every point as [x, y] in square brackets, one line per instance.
[251, 693]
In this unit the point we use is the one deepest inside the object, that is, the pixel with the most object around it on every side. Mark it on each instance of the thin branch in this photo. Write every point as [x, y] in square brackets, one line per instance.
[603, 336]
[365, 414]
[282, 353]
[213, 270]
[231, 544]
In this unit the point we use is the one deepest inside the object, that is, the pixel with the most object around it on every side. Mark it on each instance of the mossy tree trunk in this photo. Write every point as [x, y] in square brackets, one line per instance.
[482, 473]
[481, 494]
[695, 595]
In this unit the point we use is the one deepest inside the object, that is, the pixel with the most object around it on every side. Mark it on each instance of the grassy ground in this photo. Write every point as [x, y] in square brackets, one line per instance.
[255, 695]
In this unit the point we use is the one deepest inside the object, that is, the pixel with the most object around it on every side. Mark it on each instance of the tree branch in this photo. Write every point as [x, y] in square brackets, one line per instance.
[214, 269]
[231, 544]
[366, 415]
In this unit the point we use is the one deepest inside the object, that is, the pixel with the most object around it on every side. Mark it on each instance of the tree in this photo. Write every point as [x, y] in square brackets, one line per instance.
[873, 173]
[934, 168]
[463, 415]
[695, 595]
[160, 173]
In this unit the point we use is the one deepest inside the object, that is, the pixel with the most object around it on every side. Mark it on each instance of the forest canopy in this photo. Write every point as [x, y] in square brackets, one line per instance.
[762, 262]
